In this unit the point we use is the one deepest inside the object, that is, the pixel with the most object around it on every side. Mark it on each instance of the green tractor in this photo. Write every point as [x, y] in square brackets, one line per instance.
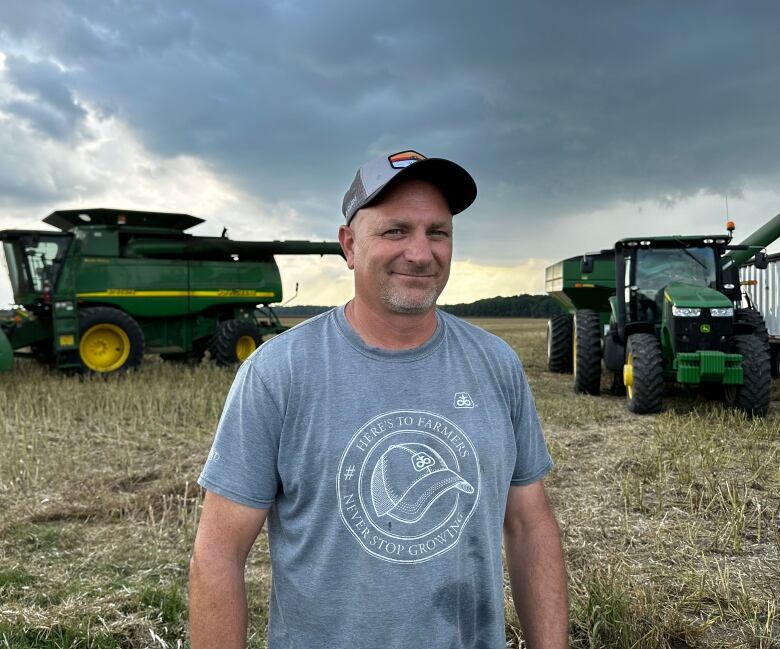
[113, 285]
[656, 310]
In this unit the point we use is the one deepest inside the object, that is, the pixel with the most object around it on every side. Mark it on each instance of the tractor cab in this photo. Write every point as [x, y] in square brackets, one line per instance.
[34, 261]
[667, 277]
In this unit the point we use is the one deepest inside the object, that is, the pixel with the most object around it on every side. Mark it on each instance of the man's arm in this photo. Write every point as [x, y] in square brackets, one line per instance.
[225, 535]
[536, 570]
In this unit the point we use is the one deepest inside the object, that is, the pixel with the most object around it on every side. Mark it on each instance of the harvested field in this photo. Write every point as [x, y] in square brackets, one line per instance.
[671, 522]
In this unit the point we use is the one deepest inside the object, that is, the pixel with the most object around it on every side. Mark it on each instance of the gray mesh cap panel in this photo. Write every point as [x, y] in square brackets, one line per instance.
[455, 183]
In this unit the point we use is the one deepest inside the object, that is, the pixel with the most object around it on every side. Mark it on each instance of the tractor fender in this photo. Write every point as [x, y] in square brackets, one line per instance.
[6, 352]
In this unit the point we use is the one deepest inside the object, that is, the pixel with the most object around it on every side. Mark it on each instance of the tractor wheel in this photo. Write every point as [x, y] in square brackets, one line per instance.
[110, 340]
[754, 394]
[559, 343]
[752, 317]
[586, 352]
[643, 374]
[234, 341]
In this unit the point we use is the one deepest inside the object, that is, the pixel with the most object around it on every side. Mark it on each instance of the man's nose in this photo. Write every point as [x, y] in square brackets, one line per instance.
[419, 249]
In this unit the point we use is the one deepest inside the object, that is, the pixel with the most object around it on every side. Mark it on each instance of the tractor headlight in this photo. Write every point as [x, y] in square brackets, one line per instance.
[728, 312]
[685, 312]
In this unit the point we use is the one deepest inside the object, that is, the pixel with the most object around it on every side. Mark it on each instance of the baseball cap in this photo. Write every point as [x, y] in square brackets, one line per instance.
[374, 177]
[409, 478]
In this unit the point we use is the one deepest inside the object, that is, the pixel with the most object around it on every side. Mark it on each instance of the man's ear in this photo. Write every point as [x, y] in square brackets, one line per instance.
[347, 241]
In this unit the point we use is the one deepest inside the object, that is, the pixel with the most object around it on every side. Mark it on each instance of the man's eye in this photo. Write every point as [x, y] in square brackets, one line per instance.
[393, 232]
[440, 234]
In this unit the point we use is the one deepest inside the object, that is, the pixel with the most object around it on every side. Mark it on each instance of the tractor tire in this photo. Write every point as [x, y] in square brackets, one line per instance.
[110, 340]
[755, 393]
[643, 374]
[559, 343]
[586, 352]
[234, 341]
[752, 317]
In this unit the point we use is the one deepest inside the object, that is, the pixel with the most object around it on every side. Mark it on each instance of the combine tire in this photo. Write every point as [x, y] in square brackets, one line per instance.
[110, 340]
[559, 343]
[587, 352]
[754, 394]
[234, 341]
[643, 374]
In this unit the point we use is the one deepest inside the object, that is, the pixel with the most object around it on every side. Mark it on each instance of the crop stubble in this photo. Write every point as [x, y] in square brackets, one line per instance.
[670, 522]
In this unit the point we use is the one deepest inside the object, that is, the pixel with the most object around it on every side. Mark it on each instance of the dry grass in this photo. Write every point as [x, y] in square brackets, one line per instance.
[670, 522]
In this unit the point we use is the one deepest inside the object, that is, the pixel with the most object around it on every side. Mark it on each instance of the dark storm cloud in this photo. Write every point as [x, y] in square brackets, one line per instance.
[49, 106]
[556, 108]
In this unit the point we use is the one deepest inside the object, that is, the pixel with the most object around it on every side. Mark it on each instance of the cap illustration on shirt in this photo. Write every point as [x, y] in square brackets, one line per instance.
[408, 478]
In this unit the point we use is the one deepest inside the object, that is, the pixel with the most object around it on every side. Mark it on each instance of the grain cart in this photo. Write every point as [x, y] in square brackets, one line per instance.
[662, 309]
[115, 284]
[762, 292]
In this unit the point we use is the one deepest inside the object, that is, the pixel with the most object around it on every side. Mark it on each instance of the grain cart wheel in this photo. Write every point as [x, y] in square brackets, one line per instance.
[586, 352]
[643, 374]
[234, 341]
[110, 340]
[559, 343]
[754, 394]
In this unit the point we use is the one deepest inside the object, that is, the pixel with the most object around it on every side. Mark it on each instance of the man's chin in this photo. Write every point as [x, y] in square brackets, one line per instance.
[410, 304]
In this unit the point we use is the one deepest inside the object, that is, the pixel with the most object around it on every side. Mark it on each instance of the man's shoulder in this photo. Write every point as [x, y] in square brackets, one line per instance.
[309, 332]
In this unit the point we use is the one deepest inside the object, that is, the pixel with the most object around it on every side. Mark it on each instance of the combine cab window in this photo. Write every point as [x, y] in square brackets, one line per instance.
[14, 260]
[43, 259]
[34, 261]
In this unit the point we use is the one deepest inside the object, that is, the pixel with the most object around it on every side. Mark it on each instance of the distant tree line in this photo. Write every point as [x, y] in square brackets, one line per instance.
[517, 306]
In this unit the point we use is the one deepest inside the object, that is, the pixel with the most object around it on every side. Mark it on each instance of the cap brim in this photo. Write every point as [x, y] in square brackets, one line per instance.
[452, 180]
[425, 491]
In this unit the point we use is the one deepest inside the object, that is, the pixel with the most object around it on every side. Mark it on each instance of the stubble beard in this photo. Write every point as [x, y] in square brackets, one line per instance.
[408, 302]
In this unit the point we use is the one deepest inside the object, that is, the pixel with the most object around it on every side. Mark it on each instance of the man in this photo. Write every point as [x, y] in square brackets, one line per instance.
[387, 443]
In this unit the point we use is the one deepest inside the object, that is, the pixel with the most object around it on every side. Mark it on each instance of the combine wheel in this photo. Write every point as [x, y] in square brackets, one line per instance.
[234, 341]
[111, 340]
[587, 352]
[643, 374]
[754, 394]
[559, 345]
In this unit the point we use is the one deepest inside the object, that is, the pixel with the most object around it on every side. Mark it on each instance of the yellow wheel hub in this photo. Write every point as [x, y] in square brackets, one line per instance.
[628, 375]
[244, 347]
[104, 347]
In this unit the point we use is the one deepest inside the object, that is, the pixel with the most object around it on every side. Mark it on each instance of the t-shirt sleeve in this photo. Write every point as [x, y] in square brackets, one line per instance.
[533, 459]
[242, 464]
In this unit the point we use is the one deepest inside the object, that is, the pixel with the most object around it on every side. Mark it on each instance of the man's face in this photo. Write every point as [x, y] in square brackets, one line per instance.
[401, 248]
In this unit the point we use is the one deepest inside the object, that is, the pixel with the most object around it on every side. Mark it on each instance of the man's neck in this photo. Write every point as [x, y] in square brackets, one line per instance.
[390, 331]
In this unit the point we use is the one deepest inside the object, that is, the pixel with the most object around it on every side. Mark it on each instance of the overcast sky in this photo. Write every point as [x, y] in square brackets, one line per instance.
[582, 122]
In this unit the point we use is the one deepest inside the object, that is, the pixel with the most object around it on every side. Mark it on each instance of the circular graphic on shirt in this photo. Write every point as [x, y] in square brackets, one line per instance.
[408, 483]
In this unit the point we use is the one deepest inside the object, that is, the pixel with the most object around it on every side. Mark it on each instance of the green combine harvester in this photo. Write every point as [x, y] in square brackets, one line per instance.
[113, 285]
[657, 310]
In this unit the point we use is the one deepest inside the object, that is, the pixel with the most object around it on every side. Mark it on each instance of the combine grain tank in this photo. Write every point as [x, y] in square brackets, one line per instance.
[115, 284]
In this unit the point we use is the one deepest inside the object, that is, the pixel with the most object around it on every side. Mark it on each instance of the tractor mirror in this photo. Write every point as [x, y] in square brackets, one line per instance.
[761, 260]
[586, 265]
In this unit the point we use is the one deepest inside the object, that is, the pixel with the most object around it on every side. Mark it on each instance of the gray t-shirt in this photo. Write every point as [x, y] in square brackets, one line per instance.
[386, 473]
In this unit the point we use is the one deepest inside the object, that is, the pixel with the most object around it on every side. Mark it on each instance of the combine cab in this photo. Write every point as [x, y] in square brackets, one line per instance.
[663, 309]
[113, 285]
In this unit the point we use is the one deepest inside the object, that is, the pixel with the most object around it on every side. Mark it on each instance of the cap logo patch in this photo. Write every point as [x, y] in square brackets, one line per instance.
[422, 461]
[404, 159]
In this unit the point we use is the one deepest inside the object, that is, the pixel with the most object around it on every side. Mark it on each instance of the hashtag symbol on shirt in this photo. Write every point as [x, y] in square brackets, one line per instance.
[349, 473]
